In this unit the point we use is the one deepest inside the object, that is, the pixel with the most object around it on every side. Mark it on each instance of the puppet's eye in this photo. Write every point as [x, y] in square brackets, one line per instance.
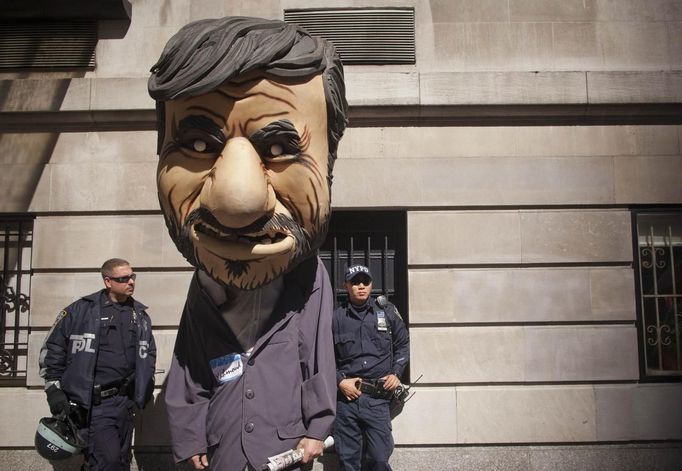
[278, 142]
[199, 145]
[200, 137]
[276, 149]
[280, 153]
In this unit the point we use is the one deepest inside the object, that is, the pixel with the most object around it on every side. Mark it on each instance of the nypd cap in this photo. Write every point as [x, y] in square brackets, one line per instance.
[356, 270]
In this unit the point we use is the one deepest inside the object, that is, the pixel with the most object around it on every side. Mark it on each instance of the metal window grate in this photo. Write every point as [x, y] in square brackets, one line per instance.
[16, 241]
[373, 251]
[363, 35]
[374, 239]
[47, 44]
[659, 238]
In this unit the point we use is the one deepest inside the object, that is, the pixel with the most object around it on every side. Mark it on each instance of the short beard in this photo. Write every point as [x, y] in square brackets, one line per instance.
[305, 243]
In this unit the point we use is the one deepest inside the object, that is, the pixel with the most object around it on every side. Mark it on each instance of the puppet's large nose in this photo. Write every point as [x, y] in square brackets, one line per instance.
[237, 190]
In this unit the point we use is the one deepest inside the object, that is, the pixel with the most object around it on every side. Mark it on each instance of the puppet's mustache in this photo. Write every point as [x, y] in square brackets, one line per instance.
[275, 223]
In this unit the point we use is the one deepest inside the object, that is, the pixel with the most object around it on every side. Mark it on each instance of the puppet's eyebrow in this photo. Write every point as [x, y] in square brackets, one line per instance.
[279, 131]
[281, 126]
[202, 122]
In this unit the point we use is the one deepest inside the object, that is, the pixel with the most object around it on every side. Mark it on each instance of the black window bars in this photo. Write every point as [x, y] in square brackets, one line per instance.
[16, 241]
[376, 239]
[659, 244]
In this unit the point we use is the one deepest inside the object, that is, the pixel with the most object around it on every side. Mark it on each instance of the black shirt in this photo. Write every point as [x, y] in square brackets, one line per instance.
[116, 355]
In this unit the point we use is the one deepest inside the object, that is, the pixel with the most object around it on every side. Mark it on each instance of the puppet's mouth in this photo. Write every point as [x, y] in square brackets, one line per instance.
[241, 246]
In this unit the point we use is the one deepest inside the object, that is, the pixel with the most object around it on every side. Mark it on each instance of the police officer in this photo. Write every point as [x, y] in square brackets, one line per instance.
[371, 346]
[98, 360]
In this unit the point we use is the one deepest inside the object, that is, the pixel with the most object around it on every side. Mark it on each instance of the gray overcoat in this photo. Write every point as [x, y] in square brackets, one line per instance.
[243, 408]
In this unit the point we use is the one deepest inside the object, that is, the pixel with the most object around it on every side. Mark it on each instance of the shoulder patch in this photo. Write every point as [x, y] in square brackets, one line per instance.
[61, 316]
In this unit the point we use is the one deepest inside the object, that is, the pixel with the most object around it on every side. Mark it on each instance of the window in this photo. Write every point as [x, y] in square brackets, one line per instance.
[376, 239]
[15, 282]
[659, 244]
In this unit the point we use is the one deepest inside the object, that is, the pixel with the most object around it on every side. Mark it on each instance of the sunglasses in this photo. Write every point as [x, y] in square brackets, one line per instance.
[123, 279]
[365, 280]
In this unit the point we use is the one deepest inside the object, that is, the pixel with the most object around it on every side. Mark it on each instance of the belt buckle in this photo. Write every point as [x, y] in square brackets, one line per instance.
[367, 386]
[375, 388]
[109, 392]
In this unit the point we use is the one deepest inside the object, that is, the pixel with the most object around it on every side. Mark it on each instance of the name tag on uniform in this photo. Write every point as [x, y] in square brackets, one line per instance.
[227, 368]
[381, 321]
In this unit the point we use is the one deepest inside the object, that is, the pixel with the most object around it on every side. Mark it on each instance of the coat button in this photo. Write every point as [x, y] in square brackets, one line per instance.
[249, 394]
[249, 427]
[250, 362]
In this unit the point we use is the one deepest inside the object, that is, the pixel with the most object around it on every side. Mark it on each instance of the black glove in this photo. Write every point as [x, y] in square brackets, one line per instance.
[57, 400]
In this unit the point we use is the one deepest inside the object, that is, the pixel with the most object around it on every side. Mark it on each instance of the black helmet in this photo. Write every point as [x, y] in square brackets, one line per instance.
[57, 438]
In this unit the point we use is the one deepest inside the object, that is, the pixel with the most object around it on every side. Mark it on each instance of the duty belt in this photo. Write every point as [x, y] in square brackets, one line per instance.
[374, 387]
[100, 392]
[108, 392]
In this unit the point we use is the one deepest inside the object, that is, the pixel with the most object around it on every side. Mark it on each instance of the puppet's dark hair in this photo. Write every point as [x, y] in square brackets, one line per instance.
[207, 53]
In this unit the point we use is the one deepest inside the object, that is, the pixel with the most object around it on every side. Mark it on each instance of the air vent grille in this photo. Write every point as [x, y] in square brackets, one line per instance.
[47, 44]
[363, 36]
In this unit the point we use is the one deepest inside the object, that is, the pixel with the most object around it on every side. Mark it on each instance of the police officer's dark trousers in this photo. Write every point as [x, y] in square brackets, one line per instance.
[365, 421]
[110, 435]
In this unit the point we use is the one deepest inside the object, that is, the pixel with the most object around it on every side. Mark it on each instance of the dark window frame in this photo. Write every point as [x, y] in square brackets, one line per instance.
[386, 234]
[652, 333]
[16, 244]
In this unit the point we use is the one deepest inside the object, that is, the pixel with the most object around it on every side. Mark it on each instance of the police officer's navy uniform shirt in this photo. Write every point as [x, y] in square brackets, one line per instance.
[363, 348]
[116, 356]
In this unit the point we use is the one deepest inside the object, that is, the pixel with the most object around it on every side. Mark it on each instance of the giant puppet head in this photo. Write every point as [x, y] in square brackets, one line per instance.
[250, 113]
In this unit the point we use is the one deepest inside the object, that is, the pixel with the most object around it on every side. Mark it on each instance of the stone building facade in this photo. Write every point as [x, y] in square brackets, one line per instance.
[524, 146]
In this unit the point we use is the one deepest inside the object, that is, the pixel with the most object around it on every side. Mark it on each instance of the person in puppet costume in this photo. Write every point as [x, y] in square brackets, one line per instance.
[250, 113]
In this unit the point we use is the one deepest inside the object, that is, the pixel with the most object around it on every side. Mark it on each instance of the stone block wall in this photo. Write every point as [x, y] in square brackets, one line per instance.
[522, 297]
